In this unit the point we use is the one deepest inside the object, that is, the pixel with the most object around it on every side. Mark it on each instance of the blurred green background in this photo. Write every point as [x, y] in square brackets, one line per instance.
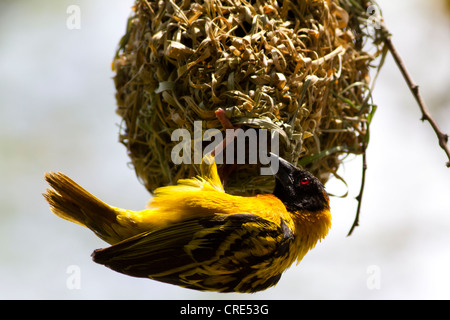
[57, 112]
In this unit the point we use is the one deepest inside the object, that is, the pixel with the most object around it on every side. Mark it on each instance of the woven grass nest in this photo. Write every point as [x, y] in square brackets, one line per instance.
[298, 67]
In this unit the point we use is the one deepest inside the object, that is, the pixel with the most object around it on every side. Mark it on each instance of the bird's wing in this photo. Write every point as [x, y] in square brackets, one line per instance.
[203, 253]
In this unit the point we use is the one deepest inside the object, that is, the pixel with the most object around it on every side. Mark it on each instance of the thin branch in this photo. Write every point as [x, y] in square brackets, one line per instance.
[442, 137]
[361, 190]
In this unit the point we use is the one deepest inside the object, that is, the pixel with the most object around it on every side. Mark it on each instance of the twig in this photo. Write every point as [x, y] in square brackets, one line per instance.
[442, 137]
[361, 190]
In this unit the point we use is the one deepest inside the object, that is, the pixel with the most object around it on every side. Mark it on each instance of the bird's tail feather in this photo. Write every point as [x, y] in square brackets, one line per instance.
[70, 201]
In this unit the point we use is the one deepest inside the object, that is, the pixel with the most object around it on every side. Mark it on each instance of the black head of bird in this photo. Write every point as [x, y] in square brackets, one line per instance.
[298, 189]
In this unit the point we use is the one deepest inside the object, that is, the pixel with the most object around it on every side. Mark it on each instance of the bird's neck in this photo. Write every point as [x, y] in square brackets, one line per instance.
[310, 227]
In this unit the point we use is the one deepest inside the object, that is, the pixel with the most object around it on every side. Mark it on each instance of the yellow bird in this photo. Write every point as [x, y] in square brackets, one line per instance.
[195, 235]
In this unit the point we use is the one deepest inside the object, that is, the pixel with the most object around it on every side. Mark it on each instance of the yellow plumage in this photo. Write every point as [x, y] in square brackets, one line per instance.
[197, 236]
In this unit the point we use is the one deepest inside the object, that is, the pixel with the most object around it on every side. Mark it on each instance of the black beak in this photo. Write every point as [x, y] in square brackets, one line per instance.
[283, 172]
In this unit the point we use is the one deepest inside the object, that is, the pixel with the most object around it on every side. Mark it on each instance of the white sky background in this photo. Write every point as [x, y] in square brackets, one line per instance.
[57, 112]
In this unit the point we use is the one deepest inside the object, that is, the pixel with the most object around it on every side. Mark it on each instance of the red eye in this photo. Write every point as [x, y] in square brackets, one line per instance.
[304, 181]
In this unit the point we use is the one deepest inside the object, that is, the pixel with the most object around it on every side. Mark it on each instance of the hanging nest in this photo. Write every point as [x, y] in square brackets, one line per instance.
[298, 67]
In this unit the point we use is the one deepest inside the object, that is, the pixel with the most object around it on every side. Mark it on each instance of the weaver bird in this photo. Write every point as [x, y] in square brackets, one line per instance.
[195, 235]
